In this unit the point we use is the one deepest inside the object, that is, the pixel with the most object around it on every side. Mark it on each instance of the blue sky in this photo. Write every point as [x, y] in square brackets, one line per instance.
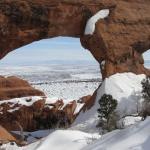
[52, 49]
[147, 55]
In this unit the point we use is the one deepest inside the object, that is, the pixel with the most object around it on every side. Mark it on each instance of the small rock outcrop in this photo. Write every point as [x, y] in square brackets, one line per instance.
[14, 87]
[35, 113]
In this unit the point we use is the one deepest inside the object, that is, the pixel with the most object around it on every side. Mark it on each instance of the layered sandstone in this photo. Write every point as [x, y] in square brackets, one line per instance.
[5, 136]
[30, 114]
[119, 40]
[13, 87]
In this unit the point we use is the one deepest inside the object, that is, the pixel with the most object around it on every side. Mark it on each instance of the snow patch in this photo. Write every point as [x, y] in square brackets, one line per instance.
[128, 121]
[12, 110]
[27, 101]
[78, 108]
[90, 26]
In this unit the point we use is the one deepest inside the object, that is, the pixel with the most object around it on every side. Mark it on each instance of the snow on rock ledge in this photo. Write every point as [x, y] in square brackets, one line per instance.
[90, 26]
[27, 111]
[126, 89]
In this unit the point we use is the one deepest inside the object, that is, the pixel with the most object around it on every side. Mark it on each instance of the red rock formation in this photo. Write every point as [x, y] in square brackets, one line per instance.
[13, 87]
[89, 101]
[39, 114]
[121, 39]
[5, 136]
[118, 40]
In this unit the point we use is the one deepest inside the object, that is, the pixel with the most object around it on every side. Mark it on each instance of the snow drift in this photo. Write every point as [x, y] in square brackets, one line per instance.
[135, 137]
[125, 88]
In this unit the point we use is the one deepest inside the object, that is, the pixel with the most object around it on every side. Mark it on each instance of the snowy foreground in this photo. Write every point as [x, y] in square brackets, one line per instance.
[136, 137]
[126, 88]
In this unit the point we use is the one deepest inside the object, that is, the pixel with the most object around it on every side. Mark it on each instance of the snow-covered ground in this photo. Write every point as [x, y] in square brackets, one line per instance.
[35, 136]
[136, 137]
[67, 81]
[58, 140]
[125, 88]
[72, 90]
[72, 82]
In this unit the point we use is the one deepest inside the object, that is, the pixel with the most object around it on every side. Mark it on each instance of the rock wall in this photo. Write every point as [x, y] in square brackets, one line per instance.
[118, 41]
[33, 115]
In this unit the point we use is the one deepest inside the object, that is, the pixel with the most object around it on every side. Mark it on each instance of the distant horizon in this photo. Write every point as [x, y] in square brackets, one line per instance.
[60, 49]
[50, 49]
[48, 62]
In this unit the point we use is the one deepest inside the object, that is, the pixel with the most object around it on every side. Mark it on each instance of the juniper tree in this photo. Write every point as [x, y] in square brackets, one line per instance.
[146, 89]
[146, 96]
[106, 110]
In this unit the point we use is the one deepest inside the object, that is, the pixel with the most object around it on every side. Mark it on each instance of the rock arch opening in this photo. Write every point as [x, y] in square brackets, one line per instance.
[67, 74]
[59, 67]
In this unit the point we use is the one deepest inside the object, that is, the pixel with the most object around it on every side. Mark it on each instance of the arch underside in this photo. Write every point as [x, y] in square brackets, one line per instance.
[118, 41]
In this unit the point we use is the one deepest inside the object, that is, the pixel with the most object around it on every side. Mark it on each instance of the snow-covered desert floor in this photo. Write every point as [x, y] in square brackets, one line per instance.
[74, 82]
[59, 80]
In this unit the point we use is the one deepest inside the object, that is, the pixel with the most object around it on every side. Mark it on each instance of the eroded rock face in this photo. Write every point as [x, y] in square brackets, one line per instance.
[118, 41]
[13, 87]
[31, 115]
[5, 136]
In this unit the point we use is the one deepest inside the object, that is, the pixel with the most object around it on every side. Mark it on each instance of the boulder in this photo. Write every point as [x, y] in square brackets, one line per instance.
[14, 87]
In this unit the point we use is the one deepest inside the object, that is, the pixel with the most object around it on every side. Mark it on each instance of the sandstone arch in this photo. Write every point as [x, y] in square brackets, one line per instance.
[118, 41]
